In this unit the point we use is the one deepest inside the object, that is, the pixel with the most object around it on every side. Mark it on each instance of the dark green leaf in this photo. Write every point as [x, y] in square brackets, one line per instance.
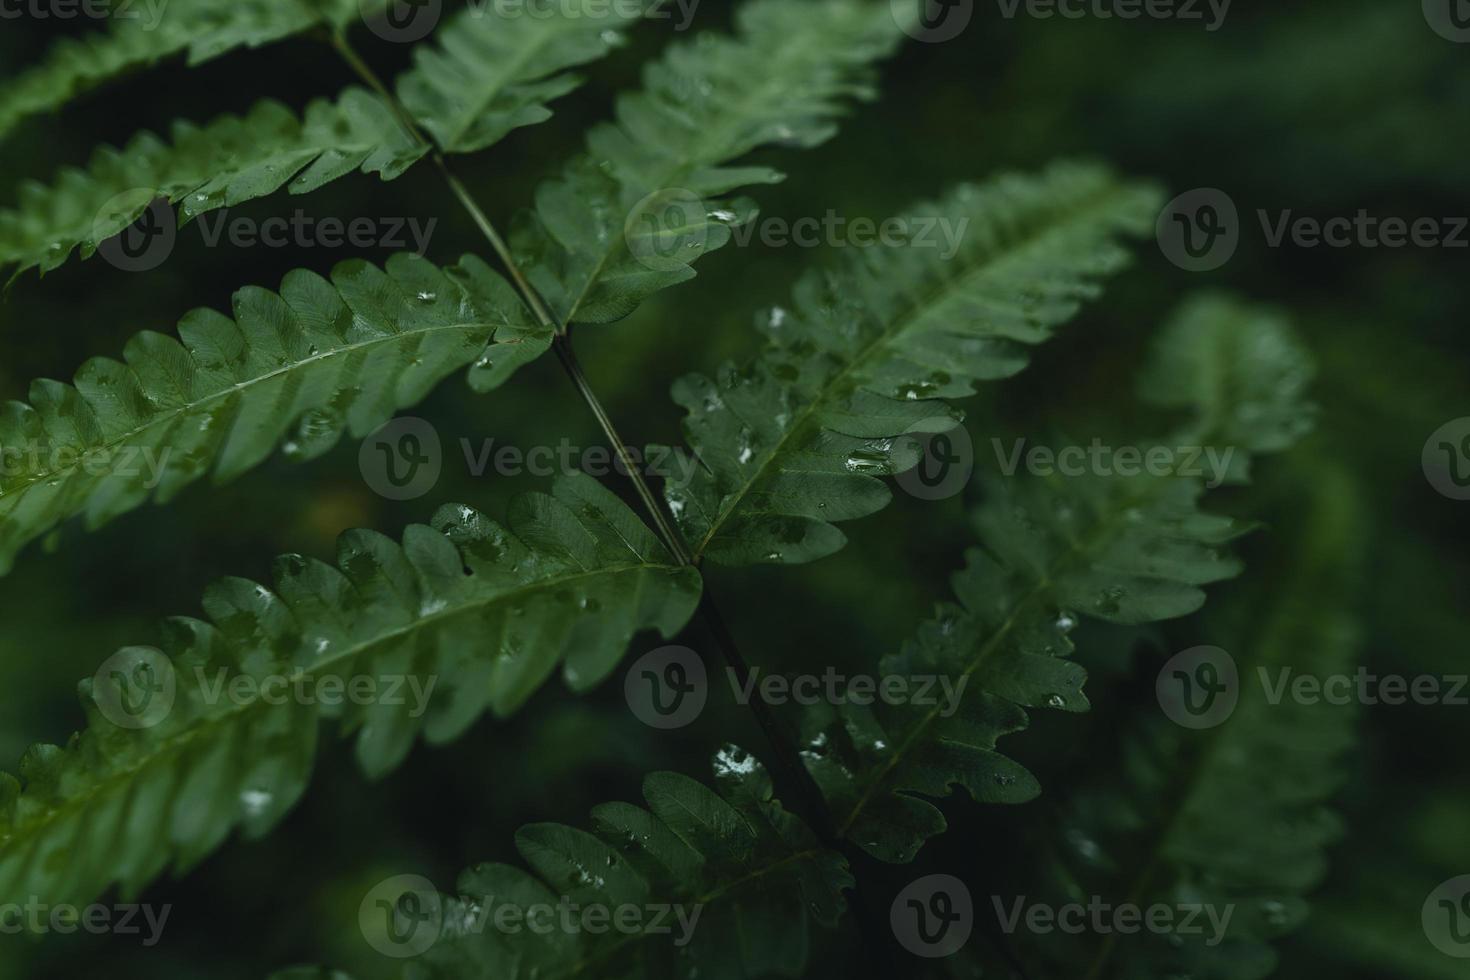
[462, 617]
[306, 365]
[796, 439]
[783, 80]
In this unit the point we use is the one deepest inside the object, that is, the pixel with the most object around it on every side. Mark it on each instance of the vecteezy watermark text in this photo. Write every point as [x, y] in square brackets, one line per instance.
[1200, 230]
[138, 686]
[37, 917]
[405, 916]
[934, 21]
[832, 687]
[1211, 13]
[834, 230]
[151, 231]
[567, 457]
[1100, 917]
[1098, 459]
[328, 690]
[1202, 686]
[404, 458]
[409, 21]
[148, 13]
[1363, 687]
[128, 462]
[302, 230]
[668, 688]
[670, 227]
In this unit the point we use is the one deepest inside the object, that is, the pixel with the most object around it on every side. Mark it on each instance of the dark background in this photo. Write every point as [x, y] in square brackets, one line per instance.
[1324, 108]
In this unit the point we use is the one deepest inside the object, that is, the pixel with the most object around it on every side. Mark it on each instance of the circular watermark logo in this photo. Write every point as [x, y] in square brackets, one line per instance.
[135, 231]
[402, 916]
[1446, 917]
[1446, 459]
[1450, 19]
[667, 687]
[933, 21]
[1199, 688]
[933, 916]
[946, 461]
[1199, 230]
[135, 687]
[402, 459]
[667, 229]
[402, 21]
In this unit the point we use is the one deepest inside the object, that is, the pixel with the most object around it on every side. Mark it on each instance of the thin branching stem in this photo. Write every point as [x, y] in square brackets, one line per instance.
[788, 758]
[561, 342]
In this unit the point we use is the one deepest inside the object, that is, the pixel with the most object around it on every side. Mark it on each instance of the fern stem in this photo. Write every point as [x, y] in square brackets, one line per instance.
[788, 759]
[782, 743]
[562, 344]
[794, 775]
[528, 292]
[532, 297]
[675, 542]
[370, 78]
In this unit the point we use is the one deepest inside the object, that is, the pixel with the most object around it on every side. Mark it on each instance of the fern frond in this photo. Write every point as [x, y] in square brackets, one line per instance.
[229, 161]
[1122, 549]
[755, 876]
[306, 365]
[489, 71]
[783, 79]
[1240, 373]
[797, 439]
[1232, 818]
[203, 28]
[483, 612]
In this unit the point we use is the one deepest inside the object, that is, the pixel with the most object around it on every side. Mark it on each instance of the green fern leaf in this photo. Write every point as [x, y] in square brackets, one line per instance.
[488, 73]
[485, 612]
[492, 71]
[797, 439]
[306, 365]
[782, 80]
[227, 162]
[1241, 374]
[1230, 817]
[203, 28]
[1122, 549]
[754, 875]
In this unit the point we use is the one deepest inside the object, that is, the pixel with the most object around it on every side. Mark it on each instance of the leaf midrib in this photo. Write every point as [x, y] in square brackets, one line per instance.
[750, 98]
[1040, 588]
[171, 415]
[550, 31]
[881, 340]
[182, 740]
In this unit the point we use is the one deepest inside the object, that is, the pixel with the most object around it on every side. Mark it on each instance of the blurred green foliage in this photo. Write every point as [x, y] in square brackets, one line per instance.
[1323, 107]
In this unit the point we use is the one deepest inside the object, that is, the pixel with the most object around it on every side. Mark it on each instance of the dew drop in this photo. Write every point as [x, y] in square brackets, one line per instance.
[255, 801]
[872, 459]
